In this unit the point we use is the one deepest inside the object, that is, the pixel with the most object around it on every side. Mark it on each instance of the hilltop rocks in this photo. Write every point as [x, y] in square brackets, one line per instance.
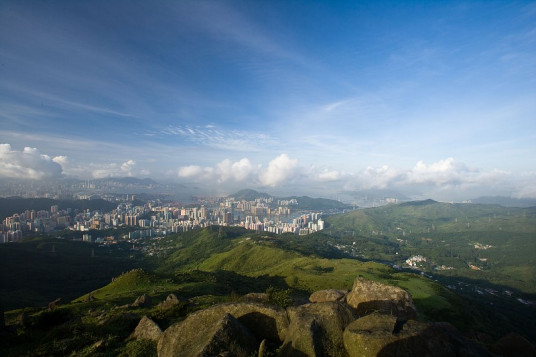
[262, 322]
[368, 296]
[142, 301]
[327, 328]
[317, 329]
[328, 295]
[375, 335]
[147, 329]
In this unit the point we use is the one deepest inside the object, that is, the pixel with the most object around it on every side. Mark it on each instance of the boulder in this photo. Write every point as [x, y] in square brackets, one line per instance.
[147, 329]
[368, 296]
[200, 338]
[264, 322]
[260, 298]
[328, 295]
[317, 329]
[171, 300]
[142, 301]
[384, 335]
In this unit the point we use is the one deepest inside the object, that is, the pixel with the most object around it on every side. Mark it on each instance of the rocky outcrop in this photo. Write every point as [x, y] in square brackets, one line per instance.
[327, 328]
[147, 329]
[171, 300]
[384, 335]
[317, 329]
[263, 322]
[225, 335]
[368, 296]
[328, 295]
[142, 301]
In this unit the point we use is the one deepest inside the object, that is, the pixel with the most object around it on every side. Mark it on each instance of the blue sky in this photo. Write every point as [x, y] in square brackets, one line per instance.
[437, 98]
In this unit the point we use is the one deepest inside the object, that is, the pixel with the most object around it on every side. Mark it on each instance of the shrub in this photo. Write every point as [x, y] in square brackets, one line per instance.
[280, 297]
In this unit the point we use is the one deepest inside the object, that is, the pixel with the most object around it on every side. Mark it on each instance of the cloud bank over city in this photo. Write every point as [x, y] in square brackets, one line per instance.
[432, 100]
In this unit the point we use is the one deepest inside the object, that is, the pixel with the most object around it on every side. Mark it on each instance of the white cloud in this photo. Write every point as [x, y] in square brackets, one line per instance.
[443, 172]
[197, 173]
[328, 175]
[127, 168]
[237, 171]
[279, 170]
[27, 164]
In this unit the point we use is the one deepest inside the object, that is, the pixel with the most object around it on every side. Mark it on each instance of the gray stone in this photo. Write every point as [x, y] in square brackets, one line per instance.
[369, 296]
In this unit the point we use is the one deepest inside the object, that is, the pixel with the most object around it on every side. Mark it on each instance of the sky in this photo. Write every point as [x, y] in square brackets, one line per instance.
[432, 98]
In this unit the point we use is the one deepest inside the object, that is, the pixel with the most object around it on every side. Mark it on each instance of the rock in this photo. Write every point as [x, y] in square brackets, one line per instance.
[142, 301]
[90, 298]
[54, 304]
[513, 345]
[328, 295]
[384, 335]
[264, 322]
[317, 329]
[147, 329]
[225, 336]
[171, 300]
[368, 296]
[259, 298]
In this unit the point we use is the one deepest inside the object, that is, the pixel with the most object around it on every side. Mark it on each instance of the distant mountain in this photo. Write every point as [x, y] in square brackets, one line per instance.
[249, 195]
[418, 203]
[505, 201]
[309, 203]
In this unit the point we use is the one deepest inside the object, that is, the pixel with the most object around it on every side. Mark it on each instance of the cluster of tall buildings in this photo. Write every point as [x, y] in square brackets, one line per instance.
[153, 218]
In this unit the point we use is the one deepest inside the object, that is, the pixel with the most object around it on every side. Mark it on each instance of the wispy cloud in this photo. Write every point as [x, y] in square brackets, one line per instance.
[219, 138]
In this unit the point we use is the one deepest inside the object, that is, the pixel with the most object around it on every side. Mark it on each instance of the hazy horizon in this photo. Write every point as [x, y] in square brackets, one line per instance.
[433, 99]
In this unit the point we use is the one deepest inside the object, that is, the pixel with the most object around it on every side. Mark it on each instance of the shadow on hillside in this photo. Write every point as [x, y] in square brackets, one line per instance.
[223, 282]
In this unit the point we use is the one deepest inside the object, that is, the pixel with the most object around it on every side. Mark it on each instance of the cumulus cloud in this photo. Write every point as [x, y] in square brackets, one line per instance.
[279, 170]
[328, 175]
[27, 164]
[127, 168]
[237, 171]
[197, 173]
[439, 173]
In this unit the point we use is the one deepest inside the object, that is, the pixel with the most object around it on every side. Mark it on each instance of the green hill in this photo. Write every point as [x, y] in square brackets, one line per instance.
[219, 264]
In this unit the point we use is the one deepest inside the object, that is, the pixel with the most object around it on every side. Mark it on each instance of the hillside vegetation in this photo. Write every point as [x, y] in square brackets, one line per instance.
[206, 266]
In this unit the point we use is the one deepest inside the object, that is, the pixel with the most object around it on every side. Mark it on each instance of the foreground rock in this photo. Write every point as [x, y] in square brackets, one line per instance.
[328, 295]
[147, 329]
[225, 336]
[197, 332]
[383, 335]
[317, 329]
[369, 296]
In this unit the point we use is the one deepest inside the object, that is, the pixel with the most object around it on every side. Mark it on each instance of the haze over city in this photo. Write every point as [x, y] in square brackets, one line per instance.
[432, 99]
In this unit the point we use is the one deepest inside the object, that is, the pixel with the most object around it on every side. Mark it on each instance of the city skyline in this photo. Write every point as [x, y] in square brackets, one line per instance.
[432, 99]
